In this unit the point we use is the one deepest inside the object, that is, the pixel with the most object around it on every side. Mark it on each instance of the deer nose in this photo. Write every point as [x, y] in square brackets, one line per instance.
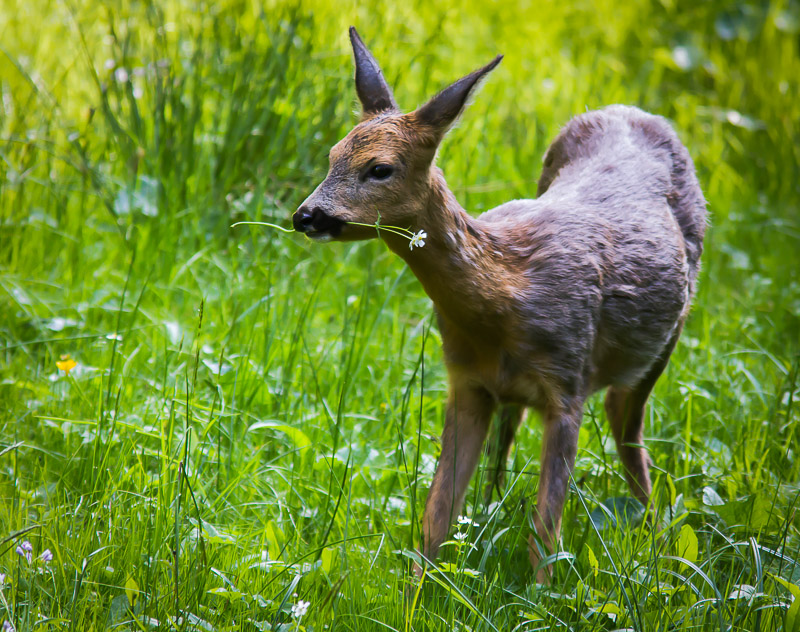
[315, 222]
[304, 218]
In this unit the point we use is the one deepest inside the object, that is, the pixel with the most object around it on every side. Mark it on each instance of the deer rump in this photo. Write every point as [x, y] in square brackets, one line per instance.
[610, 249]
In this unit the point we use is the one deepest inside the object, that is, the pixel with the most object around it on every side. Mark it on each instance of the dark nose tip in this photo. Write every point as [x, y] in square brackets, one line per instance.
[303, 219]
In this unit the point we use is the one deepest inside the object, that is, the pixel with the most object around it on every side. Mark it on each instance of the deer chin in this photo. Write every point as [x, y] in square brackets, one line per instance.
[324, 228]
[319, 236]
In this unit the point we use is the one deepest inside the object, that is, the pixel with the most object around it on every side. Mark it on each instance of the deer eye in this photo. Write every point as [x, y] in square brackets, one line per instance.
[380, 172]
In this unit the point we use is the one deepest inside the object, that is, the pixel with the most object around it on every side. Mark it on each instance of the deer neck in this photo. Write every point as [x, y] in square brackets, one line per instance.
[461, 265]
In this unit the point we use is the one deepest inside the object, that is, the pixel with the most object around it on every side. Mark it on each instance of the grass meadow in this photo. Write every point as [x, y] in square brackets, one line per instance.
[207, 425]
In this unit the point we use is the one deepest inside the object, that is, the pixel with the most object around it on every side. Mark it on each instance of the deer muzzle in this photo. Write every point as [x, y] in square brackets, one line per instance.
[316, 223]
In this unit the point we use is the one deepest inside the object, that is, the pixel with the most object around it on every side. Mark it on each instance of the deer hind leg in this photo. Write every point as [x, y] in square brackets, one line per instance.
[559, 447]
[469, 412]
[499, 448]
[625, 409]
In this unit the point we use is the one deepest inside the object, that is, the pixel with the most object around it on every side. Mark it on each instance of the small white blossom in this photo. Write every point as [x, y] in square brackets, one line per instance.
[109, 65]
[46, 556]
[121, 75]
[8, 627]
[418, 240]
[300, 608]
[2, 579]
[466, 520]
[460, 536]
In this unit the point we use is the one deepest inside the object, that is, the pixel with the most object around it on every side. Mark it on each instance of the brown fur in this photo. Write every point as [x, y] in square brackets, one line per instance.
[539, 302]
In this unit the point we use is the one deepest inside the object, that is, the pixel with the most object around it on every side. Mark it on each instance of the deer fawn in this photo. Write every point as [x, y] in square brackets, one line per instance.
[539, 302]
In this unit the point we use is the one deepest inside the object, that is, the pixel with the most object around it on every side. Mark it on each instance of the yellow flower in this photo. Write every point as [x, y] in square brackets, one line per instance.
[66, 364]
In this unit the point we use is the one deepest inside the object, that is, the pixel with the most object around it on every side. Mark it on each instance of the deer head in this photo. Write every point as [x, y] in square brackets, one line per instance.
[381, 171]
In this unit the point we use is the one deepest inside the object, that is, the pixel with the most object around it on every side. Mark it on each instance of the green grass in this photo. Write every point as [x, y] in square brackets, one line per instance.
[252, 420]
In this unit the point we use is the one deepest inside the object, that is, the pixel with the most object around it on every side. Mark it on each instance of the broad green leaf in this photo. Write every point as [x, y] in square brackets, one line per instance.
[274, 540]
[532, 617]
[611, 610]
[327, 557]
[118, 610]
[225, 592]
[745, 592]
[593, 563]
[687, 544]
[711, 498]
[131, 590]
[755, 511]
[297, 437]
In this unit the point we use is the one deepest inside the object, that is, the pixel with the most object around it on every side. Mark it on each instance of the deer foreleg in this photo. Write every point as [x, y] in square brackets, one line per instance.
[469, 412]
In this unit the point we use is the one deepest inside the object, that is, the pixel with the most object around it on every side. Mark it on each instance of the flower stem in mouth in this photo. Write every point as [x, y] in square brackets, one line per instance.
[285, 230]
[414, 239]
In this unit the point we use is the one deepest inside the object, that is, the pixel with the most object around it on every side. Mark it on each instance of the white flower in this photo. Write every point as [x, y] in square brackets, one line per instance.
[300, 608]
[460, 536]
[8, 627]
[467, 521]
[121, 75]
[46, 556]
[2, 579]
[418, 240]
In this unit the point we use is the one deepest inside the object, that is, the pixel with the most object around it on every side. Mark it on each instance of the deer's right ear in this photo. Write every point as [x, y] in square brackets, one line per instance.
[373, 91]
[442, 110]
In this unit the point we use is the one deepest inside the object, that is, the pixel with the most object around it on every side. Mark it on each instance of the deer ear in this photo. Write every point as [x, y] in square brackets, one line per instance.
[373, 91]
[443, 109]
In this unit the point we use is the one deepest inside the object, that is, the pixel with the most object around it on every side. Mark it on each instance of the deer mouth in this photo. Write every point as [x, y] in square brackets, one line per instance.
[326, 233]
[317, 224]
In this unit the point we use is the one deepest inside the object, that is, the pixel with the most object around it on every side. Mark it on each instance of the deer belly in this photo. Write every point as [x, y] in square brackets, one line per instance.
[525, 390]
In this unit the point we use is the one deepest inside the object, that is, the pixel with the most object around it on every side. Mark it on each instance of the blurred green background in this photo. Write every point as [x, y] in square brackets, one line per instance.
[251, 419]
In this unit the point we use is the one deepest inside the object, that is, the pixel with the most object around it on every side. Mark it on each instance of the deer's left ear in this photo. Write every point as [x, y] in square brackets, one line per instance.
[443, 109]
[373, 91]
